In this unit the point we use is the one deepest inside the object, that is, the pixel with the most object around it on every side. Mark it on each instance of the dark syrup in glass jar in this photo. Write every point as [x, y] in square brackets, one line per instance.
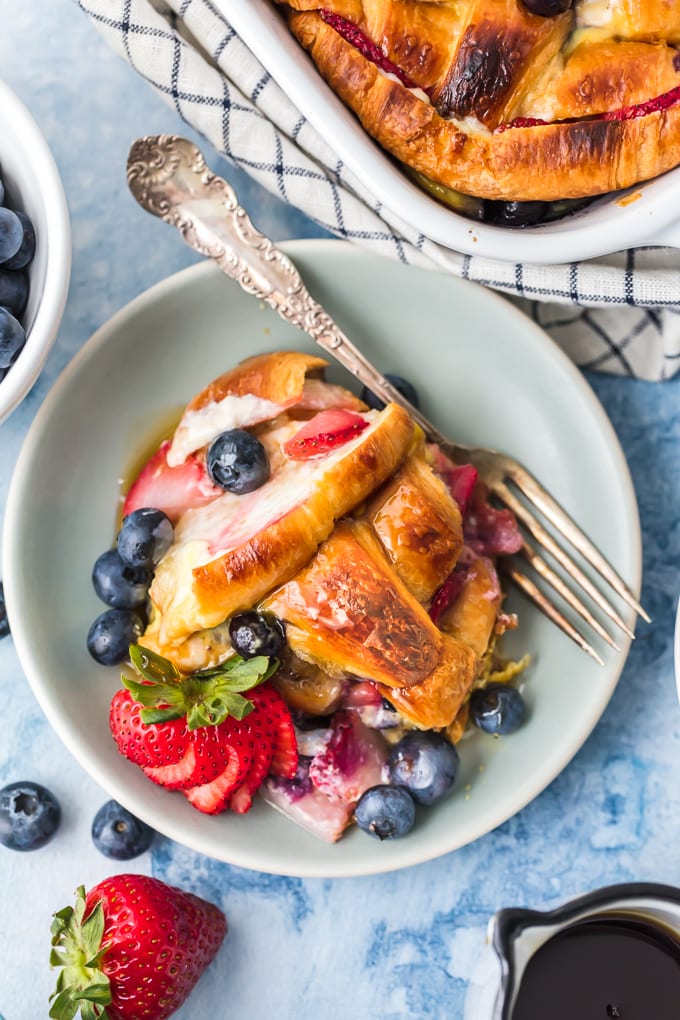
[621, 966]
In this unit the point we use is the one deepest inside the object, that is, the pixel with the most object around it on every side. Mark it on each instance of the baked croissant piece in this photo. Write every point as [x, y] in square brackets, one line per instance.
[348, 544]
[515, 100]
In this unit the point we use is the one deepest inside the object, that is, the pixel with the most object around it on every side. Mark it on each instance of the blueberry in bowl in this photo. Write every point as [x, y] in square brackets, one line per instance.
[35, 251]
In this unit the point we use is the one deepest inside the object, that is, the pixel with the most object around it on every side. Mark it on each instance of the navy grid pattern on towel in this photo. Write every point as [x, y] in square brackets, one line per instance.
[619, 313]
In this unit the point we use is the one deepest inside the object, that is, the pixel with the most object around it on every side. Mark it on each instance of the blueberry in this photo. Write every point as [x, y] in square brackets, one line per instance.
[4, 621]
[2, 192]
[29, 816]
[144, 538]
[112, 633]
[426, 764]
[406, 389]
[12, 338]
[13, 290]
[118, 834]
[254, 634]
[516, 214]
[547, 8]
[26, 251]
[11, 234]
[385, 812]
[117, 584]
[237, 461]
[497, 709]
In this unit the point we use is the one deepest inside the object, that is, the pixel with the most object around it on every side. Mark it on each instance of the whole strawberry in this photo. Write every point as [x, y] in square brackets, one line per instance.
[132, 949]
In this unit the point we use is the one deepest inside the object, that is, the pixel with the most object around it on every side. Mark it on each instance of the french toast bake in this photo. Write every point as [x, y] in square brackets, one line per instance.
[331, 563]
[513, 100]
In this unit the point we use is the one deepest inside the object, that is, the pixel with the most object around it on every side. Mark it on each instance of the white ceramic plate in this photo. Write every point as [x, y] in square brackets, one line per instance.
[646, 215]
[484, 372]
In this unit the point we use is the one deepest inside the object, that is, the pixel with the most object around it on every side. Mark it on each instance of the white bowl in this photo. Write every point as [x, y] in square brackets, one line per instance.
[646, 215]
[484, 372]
[33, 184]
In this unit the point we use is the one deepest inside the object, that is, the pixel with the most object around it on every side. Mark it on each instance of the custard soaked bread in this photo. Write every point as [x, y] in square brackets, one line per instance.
[514, 100]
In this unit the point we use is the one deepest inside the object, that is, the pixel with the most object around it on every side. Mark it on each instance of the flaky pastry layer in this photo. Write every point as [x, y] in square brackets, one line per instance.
[478, 66]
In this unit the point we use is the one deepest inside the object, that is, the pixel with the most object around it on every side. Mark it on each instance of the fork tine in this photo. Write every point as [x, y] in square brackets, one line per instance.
[546, 606]
[549, 575]
[542, 499]
[543, 538]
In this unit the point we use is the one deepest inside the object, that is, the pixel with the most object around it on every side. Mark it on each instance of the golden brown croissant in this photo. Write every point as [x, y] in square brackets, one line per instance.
[227, 555]
[490, 99]
[350, 547]
[419, 525]
[348, 612]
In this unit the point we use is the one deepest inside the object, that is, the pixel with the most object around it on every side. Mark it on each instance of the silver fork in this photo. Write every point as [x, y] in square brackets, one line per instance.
[169, 178]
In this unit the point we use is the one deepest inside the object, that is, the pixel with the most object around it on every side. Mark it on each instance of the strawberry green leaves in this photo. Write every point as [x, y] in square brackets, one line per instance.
[206, 698]
[76, 948]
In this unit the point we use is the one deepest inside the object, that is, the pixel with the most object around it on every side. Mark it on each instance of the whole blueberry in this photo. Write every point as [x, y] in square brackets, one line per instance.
[13, 290]
[425, 763]
[111, 635]
[516, 214]
[117, 584]
[237, 461]
[144, 538]
[254, 634]
[406, 388]
[12, 338]
[547, 8]
[385, 812]
[118, 834]
[29, 816]
[11, 234]
[497, 709]
[24, 255]
[4, 620]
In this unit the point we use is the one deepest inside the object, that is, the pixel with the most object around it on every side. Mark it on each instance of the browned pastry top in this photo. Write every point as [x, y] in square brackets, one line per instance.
[487, 98]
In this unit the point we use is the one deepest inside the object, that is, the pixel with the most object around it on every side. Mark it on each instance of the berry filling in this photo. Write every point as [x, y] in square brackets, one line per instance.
[655, 105]
[356, 38]
[368, 49]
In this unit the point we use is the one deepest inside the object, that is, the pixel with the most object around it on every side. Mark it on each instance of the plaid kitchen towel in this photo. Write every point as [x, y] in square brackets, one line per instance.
[619, 313]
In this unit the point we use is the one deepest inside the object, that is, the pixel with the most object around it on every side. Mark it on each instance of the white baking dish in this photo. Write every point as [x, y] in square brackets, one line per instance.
[645, 215]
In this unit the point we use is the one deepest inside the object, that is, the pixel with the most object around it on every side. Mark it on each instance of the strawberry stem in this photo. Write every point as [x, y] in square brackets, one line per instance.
[206, 698]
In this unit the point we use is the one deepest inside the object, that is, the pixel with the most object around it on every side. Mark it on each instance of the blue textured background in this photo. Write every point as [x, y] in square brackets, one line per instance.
[394, 946]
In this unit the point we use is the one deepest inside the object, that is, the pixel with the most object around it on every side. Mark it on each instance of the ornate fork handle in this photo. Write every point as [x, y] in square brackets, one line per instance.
[168, 176]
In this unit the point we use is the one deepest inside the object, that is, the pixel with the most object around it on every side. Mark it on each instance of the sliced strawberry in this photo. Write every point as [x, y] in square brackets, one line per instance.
[273, 709]
[326, 431]
[447, 594]
[150, 746]
[261, 739]
[174, 490]
[285, 758]
[461, 480]
[176, 776]
[212, 798]
[368, 49]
